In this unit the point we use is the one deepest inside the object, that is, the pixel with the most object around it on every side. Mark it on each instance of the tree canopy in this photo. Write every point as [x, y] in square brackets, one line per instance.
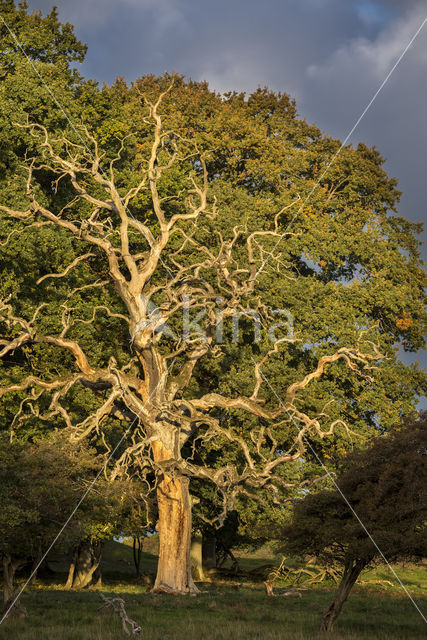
[153, 239]
[376, 514]
[40, 485]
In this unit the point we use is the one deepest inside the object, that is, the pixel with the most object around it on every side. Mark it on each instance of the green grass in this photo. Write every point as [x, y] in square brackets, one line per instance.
[226, 610]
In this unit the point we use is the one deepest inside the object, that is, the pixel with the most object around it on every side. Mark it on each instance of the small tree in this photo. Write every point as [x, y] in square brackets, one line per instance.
[40, 484]
[110, 504]
[138, 518]
[386, 487]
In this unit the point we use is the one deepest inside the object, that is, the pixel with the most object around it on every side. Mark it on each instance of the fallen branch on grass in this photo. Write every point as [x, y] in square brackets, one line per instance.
[118, 606]
[381, 583]
[290, 593]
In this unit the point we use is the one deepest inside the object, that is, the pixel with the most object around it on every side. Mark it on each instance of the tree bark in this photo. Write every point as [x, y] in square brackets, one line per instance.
[174, 527]
[84, 566]
[209, 552]
[352, 571]
[137, 549]
[70, 578]
[196, 557]
[35, 567]
[97, 576]
[10, 565]
[8, 580]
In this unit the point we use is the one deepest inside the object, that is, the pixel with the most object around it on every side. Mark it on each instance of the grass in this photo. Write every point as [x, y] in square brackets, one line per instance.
[227, 609]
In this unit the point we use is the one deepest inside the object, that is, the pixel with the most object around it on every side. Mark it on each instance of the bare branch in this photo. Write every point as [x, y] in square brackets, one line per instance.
[69, 267]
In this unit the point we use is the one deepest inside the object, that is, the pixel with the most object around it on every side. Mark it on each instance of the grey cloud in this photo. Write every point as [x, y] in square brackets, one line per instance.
[96, 14]
[237, 44]
[396, 121]
[323, 52]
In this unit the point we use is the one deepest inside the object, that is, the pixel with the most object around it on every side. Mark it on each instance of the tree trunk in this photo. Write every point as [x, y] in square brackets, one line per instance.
[196, 557]
[84, 567]
[72, 569]
[97, 576]
[137, 549]
[8, 579]
[352, 571]
[9, 569]
[35, 567]
[209, 552]
[223, 553]
[174, 527]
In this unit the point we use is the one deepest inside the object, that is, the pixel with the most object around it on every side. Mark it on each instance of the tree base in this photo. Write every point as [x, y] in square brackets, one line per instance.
[17, 611]
[165, 589]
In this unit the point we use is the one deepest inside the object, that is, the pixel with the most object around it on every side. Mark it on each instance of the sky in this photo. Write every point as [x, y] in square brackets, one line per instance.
[330, 55]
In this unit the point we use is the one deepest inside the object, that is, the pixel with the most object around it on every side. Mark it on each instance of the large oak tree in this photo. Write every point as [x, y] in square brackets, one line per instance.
[133, 244]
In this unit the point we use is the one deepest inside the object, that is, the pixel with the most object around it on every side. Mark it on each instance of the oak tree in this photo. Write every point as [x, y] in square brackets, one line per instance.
[154, 258]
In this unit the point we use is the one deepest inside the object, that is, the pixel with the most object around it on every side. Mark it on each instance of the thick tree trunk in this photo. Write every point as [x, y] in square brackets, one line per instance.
[8, 580]
[174, 526]
[82, 572]
[196, 557]
[97, 576]
[35, 567]
[352, 571]
[84, 567]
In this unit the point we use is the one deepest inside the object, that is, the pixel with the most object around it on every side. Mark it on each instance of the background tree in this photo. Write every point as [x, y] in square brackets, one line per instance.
[138, 519]
[40, 485]
[254, 521]
[173, 198]
[386, 487]
[36, 56]
[110, 505]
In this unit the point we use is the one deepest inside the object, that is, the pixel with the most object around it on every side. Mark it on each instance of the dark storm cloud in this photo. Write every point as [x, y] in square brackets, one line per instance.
[247, 43]
[396, 121]
[329, 54]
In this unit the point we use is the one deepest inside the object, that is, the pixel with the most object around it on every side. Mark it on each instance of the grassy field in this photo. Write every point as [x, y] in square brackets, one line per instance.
[226, 609]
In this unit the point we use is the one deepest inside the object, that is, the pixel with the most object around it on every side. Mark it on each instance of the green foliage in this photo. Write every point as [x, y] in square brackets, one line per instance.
[40, 486]
[42, 483]
[386, 487]
[352, 264]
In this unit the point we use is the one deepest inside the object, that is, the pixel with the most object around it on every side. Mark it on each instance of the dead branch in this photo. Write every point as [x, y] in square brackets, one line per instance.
[129, 626]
